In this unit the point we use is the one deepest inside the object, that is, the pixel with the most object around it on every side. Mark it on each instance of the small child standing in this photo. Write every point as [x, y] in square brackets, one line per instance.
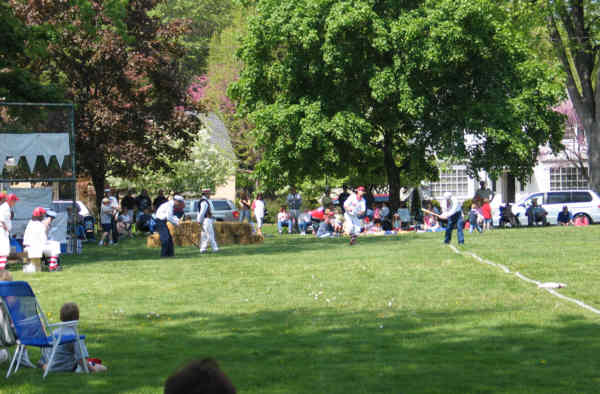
[486, 211]
[284, 220]
[474, 219]
[106, 214]
[69, 357]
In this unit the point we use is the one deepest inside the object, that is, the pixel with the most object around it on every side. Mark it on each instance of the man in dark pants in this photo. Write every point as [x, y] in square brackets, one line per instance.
[164, 214]
[452, 211]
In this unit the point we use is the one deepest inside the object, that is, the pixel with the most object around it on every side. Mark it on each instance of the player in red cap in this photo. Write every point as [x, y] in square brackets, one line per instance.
[5, 227]
[36, 240]
[2, 197]
[355, 206]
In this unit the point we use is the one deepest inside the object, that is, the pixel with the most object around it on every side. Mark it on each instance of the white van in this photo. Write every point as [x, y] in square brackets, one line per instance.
[583, 203]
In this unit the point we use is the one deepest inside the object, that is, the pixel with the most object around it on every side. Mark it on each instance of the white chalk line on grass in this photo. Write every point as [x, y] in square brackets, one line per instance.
[526, 279]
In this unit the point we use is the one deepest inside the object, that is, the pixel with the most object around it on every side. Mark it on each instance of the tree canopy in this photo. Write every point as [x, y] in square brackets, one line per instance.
[340, 87]
[119, 66]
[575, 34]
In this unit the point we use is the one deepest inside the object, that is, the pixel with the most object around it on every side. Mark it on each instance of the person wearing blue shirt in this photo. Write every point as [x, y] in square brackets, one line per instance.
[564, 217]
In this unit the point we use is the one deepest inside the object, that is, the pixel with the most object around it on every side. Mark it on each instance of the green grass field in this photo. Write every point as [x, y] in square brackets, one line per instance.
[397, 314]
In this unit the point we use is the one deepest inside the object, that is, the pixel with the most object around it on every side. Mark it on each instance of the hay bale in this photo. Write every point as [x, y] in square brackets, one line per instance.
[153, 241]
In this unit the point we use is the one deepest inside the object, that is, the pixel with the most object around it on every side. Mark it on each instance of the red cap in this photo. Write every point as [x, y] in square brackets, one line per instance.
[12, 197]
[39, 211]
[360, 189]
[2, 195]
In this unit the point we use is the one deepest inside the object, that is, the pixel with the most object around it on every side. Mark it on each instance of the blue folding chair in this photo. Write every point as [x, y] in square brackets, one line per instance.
[31, 325]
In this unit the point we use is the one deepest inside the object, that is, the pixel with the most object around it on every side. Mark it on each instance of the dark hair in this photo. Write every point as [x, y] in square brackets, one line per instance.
[37, 218]
[199, 377]
[69, 311]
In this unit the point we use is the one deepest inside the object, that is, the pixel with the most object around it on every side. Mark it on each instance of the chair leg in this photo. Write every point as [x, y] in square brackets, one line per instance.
[22, 350]
[85, 362]
[12, 363]
[51, 360]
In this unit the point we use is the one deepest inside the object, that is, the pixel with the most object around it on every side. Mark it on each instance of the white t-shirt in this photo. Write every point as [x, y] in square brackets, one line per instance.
[35, 234]
[259, 208]
[354, 206]
[5, 215]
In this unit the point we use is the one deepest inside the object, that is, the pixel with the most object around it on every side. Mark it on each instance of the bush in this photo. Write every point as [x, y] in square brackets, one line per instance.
[466, 206]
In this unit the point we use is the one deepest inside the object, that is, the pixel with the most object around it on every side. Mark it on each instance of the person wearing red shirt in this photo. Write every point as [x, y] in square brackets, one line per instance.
[486, 211]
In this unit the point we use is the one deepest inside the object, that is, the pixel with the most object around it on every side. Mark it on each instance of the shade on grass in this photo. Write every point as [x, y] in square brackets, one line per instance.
[400, 314]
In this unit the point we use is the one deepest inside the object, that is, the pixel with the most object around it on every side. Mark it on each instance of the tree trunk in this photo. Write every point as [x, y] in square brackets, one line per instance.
[593, 140]
[393, 173]
[98, 178]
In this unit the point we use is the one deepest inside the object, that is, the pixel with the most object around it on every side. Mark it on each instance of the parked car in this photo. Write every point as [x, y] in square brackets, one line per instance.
[62, 206]
[581, 203]
[223, 210]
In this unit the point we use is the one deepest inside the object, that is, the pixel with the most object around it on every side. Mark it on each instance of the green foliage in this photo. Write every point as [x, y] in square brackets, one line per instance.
[370, 87]
[207, 18]
[205, 167]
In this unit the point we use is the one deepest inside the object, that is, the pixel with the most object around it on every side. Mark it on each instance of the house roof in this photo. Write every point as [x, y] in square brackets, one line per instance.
[219, 135]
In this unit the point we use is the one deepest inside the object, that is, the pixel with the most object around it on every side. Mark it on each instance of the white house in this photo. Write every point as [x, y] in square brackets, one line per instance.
[565, 170]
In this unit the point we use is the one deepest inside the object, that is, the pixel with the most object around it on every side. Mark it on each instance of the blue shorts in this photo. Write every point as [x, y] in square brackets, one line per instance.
[106, 227]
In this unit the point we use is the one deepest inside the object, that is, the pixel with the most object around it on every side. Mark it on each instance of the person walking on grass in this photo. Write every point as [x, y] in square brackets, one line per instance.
[452, 211]
[164, 214]
[354, 207]
[206, 221]
[259, 212]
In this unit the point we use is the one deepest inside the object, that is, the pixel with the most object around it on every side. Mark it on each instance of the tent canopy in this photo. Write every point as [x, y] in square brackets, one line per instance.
[33, 145]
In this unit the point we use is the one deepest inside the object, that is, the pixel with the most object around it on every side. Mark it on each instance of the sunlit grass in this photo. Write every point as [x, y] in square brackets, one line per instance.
[398, 314]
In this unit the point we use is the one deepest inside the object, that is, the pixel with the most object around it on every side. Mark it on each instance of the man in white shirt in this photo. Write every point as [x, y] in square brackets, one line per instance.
[114, 203]
[5, 227]
[452, 211]
[206, 221]
[165, 213]
[354, 207]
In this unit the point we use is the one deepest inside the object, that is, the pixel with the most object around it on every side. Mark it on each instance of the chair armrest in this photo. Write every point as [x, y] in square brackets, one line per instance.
[72, 323]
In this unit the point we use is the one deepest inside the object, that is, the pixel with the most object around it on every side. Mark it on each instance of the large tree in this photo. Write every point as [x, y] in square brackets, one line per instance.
[575, 32]
[119, 66]
[336, 86]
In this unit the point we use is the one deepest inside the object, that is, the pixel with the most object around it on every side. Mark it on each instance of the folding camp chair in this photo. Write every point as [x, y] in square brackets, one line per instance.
[31, 325]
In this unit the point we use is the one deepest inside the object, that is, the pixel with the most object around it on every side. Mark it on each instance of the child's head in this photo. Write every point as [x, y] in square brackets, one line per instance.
[5, 276]
[105, 201]
[473, 206]
[282, 208]
[203, 376]
[69, 311]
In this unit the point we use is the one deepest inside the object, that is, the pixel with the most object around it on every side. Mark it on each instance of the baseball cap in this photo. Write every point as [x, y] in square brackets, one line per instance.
[39, 211]
[2, 195]
[360, 189]
[51, 213]
[12, 197]
[177, 197]
[206, 191]
[447, 195]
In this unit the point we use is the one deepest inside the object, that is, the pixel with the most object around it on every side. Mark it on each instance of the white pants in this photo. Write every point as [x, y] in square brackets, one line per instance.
[208, 235]
[4, 243]
[354, 223]
[49, 249]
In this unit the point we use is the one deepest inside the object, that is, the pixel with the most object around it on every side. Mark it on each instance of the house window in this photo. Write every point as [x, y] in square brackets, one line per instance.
[455, 181]
[567, 178]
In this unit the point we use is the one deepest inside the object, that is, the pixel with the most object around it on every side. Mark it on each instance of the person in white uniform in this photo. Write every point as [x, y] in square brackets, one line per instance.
[166, 213]
[205, 219]
[355, 206]
[36, 242]
[5, 227]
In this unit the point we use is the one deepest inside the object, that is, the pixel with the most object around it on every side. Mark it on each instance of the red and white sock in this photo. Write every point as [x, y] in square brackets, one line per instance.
[53, 263]
[2, 262]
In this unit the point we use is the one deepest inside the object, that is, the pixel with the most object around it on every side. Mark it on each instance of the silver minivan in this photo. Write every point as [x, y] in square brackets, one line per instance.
[222, 210]
[581, 203]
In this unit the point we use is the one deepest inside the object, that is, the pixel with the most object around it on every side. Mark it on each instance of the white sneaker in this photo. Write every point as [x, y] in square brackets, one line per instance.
[110, 242]
[3, 355]
[303, 233]
[100, 243]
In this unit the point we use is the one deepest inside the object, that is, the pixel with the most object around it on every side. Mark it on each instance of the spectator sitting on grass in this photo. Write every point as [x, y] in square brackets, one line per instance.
[565, 217]
[304, 221]
[69, 357]
[199, 377]
[284, 220]
[325, 228]
[536, 214]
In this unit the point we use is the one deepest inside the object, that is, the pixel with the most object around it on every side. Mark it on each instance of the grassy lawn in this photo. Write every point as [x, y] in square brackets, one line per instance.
[398, 314]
